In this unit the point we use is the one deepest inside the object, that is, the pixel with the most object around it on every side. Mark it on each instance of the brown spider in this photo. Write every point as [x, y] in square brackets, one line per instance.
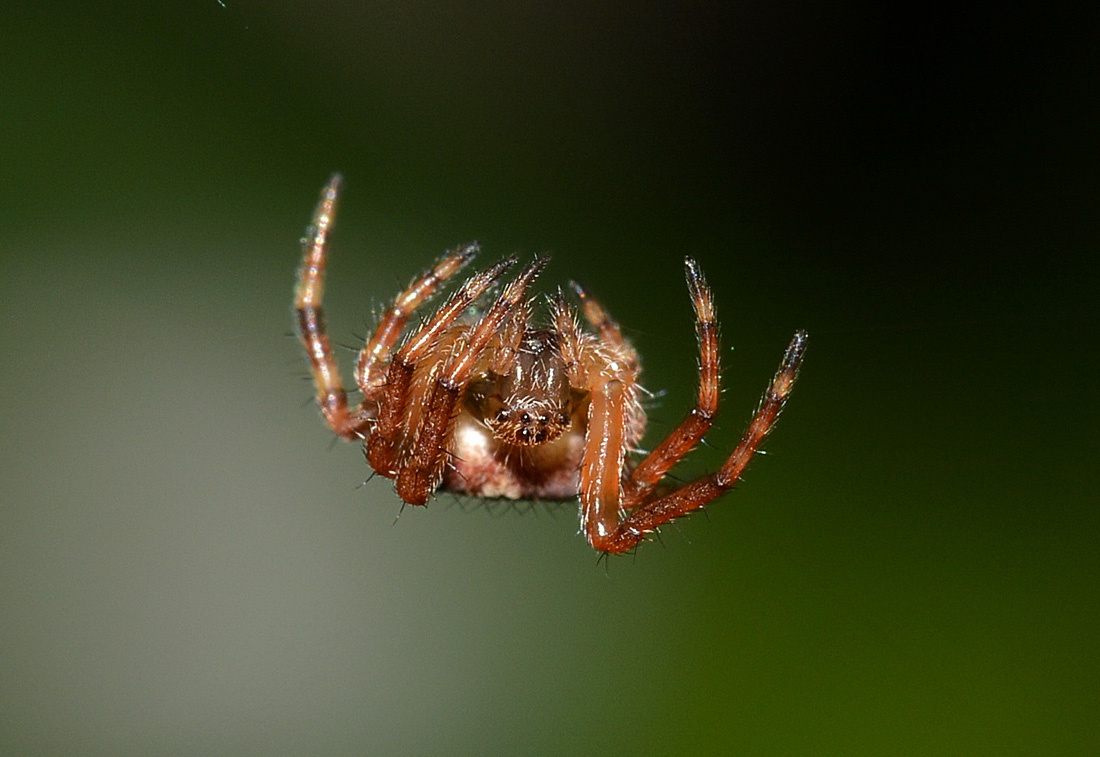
[482, 403]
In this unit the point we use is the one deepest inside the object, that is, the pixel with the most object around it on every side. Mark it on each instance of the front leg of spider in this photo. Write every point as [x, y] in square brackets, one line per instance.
[387, 441]
[422, 472]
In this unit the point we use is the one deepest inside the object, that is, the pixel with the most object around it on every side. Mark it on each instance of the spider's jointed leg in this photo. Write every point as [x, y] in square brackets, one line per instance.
[649, 516]
[420, 475]
[602, 465]
[308, 296]
[598, 318]
[649, 472]
[370, 370]
[384, 443]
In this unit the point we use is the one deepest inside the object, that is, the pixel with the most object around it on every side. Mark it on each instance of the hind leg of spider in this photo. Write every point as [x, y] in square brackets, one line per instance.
[649, 516]
[308, 295]
[649, 472]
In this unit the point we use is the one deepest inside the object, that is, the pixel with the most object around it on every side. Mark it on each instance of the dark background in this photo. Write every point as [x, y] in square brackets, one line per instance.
[186, 562]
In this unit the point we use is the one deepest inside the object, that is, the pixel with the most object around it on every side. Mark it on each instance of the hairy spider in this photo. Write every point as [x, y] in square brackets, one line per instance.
[480, 401]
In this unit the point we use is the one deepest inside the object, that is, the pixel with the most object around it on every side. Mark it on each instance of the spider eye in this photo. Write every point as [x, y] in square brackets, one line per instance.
[525, 418]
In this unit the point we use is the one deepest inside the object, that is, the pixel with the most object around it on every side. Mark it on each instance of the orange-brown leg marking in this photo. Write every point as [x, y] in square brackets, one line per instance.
[653, 468]
[383, 446]
[308, 294]
[421, 474]
[651, 515]
[370, 370]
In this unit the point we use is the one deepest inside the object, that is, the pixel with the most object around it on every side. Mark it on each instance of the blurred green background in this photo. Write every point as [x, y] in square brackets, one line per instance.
[187, 563]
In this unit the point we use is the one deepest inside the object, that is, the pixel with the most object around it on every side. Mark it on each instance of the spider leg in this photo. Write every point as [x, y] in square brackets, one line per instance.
[644, 478]
[421, 473]
[602, 464]
[308, 295]
[650, 515]
[598, 367]
[590, 361]
[573, 340]
[370, 369]
[604, 325]
[383, 445]
[503, 358]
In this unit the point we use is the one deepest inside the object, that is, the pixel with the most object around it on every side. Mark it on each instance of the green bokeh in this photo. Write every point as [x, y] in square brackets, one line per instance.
[187, 564]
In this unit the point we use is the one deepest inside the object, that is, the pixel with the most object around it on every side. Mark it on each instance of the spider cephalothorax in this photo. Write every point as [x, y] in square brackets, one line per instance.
[485, 402]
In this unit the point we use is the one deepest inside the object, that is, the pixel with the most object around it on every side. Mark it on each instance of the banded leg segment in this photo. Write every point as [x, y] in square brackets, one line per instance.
[651, 515]
[644, 478]
[308, 295]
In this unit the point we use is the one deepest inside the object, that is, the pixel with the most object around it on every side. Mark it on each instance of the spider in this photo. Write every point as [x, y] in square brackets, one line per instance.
[481, 401]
